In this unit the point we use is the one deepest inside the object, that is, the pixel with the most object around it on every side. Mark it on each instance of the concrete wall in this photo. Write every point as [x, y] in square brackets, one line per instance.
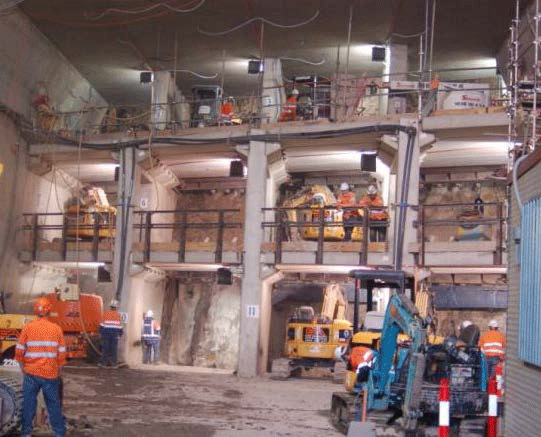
[201, 322]
[158, 198]
[27, 58]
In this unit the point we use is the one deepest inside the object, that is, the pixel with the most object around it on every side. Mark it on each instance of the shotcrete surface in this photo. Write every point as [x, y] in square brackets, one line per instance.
[162, 400]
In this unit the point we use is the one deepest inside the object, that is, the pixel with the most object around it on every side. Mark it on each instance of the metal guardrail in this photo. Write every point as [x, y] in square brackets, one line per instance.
[281, 224]
[36, 224]
[498, 219]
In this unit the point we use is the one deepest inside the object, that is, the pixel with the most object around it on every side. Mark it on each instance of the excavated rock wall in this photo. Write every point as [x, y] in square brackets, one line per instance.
[212, 199]
[201, 322]
[459, 192]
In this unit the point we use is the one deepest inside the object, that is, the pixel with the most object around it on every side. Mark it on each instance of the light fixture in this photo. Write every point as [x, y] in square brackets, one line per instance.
[146, 77]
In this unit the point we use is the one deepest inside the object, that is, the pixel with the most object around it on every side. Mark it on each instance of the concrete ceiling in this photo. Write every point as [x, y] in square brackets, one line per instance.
[110, 48]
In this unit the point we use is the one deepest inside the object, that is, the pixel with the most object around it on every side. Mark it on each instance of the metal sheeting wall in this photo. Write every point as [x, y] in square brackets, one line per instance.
[530, 284]
[455, 297]
[522, 382]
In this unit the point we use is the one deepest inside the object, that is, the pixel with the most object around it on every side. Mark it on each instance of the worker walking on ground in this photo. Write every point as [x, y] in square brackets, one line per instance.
[346, 199]
[377, 213]
[41, 350]
[110, 330]
[492, 343]
[150, 338]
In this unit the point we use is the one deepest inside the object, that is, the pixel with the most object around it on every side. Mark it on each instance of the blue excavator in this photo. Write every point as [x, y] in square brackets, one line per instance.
[400, 397]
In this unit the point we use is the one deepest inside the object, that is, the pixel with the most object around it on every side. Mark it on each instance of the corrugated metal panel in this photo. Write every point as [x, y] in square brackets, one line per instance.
[530, 282]
[522, 382]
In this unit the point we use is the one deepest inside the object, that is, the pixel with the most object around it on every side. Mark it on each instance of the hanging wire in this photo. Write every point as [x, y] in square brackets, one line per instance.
[202, 76]
[148, 9]
[304, 61]
[263, 20]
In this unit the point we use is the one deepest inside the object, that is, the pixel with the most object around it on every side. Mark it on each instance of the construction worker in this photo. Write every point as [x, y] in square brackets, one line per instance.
[110, 330]
[150, 338]
[346, 199]
[492, 343]
[361, 359]
[289, 113]
[41, 350]
[374, 202]
[226, 111]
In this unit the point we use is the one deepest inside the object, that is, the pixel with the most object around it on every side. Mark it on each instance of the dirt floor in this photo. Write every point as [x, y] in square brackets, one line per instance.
[161, 401]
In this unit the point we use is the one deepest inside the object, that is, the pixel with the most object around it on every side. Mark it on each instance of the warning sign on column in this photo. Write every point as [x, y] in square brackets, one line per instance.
[252, 311]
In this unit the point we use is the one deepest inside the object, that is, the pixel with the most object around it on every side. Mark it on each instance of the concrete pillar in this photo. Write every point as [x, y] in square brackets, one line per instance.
[251, 288]
[410, 233]
[127, 189]
[396, 66]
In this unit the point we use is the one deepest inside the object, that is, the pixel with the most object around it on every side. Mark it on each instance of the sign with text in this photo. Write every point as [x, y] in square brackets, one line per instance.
[252, 311]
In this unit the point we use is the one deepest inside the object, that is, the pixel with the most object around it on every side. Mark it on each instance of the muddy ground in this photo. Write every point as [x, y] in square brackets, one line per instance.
[160, 402]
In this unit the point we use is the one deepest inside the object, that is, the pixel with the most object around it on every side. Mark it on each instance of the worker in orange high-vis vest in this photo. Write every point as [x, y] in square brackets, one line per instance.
[41, 350]
[110, 330]
[361, 360]
[492, 343]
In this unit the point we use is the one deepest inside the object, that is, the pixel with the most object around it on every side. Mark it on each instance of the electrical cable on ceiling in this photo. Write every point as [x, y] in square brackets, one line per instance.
[202, 76]
[304, 61]
[263, 20]
[148, 9]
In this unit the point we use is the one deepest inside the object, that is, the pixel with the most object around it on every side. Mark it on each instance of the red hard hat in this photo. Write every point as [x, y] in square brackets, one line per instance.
[42, 306]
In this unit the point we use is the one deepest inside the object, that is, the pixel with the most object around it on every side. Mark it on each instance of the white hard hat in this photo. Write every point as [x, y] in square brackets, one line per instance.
[465, 324]
[371, 190]
[114, 303]
[493, 324]
[295, 91]
[150, 313]
[344, 186]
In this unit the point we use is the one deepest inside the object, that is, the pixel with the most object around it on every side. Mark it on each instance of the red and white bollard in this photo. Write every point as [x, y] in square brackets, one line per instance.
[443, 430]
[492, 419]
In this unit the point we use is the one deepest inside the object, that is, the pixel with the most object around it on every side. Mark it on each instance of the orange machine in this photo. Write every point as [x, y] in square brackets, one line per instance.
[79, 316]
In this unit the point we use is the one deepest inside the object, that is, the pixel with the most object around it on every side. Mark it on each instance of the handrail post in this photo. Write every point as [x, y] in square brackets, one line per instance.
[148, 228]
[423, 232]
[218, 254]
[182, 237]
[366, 236]
[95, 236]
[34, 237]
[278, 237]
[320, 236]
[499, 250]
[64, 248]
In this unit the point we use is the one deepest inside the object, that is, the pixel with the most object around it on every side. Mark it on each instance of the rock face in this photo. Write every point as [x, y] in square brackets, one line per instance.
[201, 322]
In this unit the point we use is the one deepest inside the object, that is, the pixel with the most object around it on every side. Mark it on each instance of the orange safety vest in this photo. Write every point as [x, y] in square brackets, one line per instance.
[290, 109]
[361, 356]
[376, 203]
[346, 199]
[41, 349]
[112, 322]
[492, 343]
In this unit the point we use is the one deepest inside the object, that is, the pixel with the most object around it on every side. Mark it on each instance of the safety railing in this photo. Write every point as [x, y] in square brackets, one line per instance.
[180, 223]
[325, 224]
[463, 222]
[96, 231]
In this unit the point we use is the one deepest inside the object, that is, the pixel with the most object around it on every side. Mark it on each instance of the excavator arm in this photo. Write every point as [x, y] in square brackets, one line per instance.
[334, 303]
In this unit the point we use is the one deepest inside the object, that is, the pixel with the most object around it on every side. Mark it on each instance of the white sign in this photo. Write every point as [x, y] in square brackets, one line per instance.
[252, 311]
[463, 95]
[124, 317]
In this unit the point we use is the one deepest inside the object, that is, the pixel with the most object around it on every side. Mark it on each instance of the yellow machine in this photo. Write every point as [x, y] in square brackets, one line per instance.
[11, 326]
[311, 339]
[315, 197]
[90, 206]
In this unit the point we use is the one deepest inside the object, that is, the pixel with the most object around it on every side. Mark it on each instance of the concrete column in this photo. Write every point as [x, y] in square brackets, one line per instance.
[410, 233]
[127, 188]
[251, 288]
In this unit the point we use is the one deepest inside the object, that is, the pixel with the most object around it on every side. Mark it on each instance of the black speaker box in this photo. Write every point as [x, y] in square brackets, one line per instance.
[368, 162]
[378, 54]
[224, 276]
[236, 169]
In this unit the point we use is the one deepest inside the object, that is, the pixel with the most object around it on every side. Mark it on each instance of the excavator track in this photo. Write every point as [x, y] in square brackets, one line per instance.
[12, 396]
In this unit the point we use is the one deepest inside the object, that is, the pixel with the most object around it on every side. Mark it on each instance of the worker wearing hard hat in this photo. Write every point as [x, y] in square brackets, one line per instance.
[373, 201]
[41, 350]
[150, 338]
[492, 343]
[346, 199]
[110, 330]
[289, 113]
